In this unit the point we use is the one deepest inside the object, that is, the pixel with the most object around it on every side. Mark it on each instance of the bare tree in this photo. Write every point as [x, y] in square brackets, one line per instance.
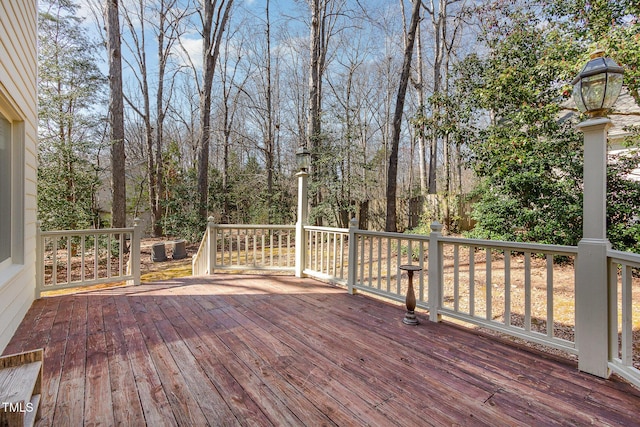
[116, 116]
[166, 22]
[215, 16]
[392, 176]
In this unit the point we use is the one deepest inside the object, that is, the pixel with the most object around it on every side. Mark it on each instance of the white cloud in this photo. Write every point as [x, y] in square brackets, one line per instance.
[189, 50]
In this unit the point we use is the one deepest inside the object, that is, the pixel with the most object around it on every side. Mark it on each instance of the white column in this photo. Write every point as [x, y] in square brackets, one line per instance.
[434, 272]
[591, 268]
[352, 265]
[303, 214]
[134, 254]
[212, 245]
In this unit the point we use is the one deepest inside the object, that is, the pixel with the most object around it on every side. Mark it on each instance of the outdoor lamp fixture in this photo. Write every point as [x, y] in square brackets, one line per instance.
[303, 159]
[598, 85]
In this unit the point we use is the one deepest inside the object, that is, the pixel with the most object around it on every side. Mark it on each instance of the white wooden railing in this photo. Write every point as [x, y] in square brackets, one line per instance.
[624, 282]
[76, 258]
[504, 286]
[245, 247]
[509, 287]
[326, 253]
[200, 262]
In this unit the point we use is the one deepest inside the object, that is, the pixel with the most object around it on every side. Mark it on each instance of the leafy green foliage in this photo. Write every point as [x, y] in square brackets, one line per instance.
[623, 203]
[69, 85]
[529, 158]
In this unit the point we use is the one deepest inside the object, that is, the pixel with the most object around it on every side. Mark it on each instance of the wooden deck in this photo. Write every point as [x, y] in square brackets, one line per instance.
[274, 350]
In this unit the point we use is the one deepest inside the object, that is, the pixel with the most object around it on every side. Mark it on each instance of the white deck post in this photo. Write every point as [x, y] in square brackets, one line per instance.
[434, 271]
[39, 260]
[303, 214]
[135, 251]
[352, 257]
[212, 245]
[591, 268]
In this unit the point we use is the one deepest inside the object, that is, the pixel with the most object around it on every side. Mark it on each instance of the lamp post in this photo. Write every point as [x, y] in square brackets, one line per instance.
[595, 90]
[303, 160]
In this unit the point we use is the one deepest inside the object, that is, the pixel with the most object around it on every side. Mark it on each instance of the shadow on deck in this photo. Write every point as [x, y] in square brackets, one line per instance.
[276, 350]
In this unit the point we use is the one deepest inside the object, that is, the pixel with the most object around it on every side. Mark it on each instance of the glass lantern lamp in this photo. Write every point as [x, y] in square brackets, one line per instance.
[303, 159]
[598, 85]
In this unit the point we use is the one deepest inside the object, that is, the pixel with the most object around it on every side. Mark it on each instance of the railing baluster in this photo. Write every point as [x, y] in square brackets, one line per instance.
[222, 247]
[341, 256]
[82, 260]
[335, 254]
[271, 249]
[68, 259]
[421, 264]
[109, 235]
[527, 291]
[388, 264]
[239, 258]
[54, 267]
[246, 247]
[370, 262]
[472, 281]
[288, 248]
[279, 248]
[398, 264]
[121, 255]
[379, 262]
[489, 290]
[456, 277]
[315, 250]
[310, 245]
[550, 295]
[255, 248]
[507, 287]
[361, 258]
[627, 316]
[614, 350]
[96, 255]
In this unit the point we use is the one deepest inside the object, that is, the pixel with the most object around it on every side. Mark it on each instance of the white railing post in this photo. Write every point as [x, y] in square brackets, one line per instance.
[39, 260]
[212, 246]
[591, 269]
[301, 221]
[352, 266]
[134, 255]
[435, 272]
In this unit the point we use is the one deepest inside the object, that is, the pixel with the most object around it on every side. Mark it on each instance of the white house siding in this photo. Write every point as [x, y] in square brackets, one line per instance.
[18, 93]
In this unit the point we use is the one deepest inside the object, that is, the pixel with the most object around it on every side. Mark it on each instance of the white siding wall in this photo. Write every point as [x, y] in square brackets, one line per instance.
[18, 89]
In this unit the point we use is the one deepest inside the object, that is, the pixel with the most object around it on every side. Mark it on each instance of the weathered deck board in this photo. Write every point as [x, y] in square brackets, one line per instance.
[273, 350]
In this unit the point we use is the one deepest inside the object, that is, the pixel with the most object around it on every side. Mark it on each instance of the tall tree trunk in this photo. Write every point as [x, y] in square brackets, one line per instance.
[270, 146]
[397, 120]
[439, 22]
[116, 116]
[422, 137]
[212, 35]
[313, 118]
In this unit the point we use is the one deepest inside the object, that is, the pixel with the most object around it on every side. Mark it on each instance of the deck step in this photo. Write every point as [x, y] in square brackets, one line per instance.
[20, 388]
